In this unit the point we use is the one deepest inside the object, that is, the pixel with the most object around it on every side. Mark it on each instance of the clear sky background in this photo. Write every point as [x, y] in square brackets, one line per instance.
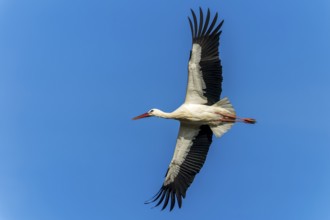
[74, 73]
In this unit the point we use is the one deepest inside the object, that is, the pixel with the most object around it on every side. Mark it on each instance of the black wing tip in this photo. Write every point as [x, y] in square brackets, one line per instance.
[166, 196]
[203, 29]
[221, 23]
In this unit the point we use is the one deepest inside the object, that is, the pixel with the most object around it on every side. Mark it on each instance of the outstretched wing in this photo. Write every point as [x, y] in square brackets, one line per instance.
[205, 71]
[189, 156]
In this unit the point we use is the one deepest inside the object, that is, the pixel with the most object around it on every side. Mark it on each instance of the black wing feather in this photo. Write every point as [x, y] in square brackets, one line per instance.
[195, 23]
[192, 164]
[201, 17]
[206, 21]
[191, 28]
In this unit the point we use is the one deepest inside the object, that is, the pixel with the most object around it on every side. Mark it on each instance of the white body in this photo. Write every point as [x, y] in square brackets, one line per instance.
[199, 114]
[195, 115]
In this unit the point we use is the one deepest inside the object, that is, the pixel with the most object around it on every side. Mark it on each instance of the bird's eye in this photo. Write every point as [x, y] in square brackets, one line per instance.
[151, 111]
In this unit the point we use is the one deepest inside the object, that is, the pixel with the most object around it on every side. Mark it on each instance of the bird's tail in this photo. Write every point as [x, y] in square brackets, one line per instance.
[219, 130]
[225, 103]
[228, 118]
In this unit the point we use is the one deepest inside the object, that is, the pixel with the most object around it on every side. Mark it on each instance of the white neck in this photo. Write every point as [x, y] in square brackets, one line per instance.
[160, 113]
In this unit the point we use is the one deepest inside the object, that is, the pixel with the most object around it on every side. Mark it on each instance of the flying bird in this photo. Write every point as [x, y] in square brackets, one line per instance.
[201, 115]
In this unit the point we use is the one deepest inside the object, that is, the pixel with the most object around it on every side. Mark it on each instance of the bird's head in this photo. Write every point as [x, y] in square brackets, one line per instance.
[151, 112]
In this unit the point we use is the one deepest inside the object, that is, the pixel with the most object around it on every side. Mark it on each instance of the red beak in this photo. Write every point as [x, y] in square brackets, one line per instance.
[141, 116]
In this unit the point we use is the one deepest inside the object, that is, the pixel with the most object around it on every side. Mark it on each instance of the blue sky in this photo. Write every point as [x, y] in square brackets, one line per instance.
[74, 73]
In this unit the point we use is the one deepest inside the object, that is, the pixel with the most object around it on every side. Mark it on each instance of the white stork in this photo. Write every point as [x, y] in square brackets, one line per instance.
[201, 115]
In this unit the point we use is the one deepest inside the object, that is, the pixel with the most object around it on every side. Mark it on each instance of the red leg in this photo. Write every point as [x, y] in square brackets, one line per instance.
[232, 118]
